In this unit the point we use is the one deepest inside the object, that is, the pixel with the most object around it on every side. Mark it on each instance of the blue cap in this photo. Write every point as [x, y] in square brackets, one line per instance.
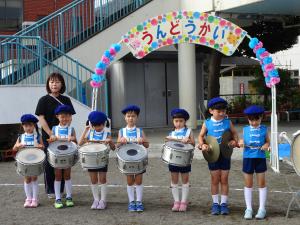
[180, 113]
[254, 109]
[215, 101]
[64, 109]
[129, 108]
[96, 117]
[29, 118]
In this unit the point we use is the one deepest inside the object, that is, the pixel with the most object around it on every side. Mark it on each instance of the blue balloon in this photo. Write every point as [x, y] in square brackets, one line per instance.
[107, 53]
[267, 60]
[97, 78]
[259, 51]
[196, 15]
[267, 79]
[101, 65]
[117, 47]
[253, 42]
[111, 58]
[274, 73]
[154, 44]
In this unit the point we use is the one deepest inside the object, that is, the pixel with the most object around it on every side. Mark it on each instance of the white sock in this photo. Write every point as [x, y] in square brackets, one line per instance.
[215, 198]
[103, 188]
[57, 189]
[139, 192]
[95, 191]
[28, 190]
[248, 197]
[68, 184]
[175, 192]
[185, 192]
[35, 190]
[224, 199]
[262, 197]
[130, 192]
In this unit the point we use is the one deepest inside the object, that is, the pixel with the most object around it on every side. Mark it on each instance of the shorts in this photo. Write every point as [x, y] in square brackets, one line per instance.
[104, 169]
[257, 165]
[180, 169]
[221, 164]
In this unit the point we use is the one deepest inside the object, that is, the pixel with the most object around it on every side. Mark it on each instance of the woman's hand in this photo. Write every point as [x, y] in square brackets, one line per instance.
[52, 138]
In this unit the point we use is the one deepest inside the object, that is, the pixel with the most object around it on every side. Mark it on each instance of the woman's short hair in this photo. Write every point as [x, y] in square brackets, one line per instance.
[58, 76]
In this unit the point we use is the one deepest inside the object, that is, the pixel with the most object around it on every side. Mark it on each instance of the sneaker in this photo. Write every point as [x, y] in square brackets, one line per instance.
[183, 206]
[215, 209]
[132, 207]
[139, 207]
[224, 209]
[261, 214]
[248, 214]
[58, 204]
[27, 203]
[95, 204]
[101, 205]
[51, 196]
[176, 206]
[34, 203]
[69, 202]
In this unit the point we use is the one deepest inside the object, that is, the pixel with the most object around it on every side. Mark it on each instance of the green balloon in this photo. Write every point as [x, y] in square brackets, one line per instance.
[140, 27]
[210, 19]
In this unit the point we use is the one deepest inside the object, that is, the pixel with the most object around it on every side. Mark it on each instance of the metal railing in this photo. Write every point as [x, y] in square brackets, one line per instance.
[79, 20]
[29, 60]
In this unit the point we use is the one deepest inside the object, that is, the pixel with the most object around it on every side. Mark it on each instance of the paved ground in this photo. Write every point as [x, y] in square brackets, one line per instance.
[157, 195]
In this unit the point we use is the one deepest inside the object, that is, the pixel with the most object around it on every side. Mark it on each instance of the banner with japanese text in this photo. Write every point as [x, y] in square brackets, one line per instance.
[184, 27]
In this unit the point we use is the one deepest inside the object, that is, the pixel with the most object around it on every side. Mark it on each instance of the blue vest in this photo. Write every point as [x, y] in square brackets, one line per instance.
[254, 138]
[217, 128]
[180, 134]
[62, 132]
[29, 139]
[97, 136]
[131, 135]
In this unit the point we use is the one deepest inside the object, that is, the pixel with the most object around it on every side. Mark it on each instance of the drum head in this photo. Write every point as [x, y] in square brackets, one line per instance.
[132, 152]
[213, 154]
[179, 145]
[62, 147]
[30, 156]
[295, 156]
[225, 149]
[93, 148]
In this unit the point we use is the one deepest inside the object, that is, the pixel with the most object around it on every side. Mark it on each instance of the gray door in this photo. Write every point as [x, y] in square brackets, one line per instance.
[172, 89]
[155, 94]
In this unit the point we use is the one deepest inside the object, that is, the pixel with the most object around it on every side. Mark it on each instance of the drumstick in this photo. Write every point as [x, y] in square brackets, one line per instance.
[177, 140]
[135, 142]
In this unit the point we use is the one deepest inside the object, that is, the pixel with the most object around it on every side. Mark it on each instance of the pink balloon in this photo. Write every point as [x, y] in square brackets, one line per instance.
[95, 84]
[258, 46]
[105, 60]
[269, 67]
[269, 85]
[274, 80]
[112, 51]
[266, 74]
[99, 71]
[264, 55]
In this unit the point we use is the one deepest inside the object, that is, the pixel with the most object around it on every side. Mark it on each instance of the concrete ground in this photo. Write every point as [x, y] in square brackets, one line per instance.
[157, 194]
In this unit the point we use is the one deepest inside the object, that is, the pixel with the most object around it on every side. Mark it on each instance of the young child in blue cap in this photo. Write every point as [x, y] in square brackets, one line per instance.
[131, 133]
[255, 142]
[96, 132]
[63, 131]
[27, 139]
[185, 135]
[219, 170]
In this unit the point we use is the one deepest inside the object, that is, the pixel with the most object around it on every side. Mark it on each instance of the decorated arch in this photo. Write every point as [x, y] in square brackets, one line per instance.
[195, 28]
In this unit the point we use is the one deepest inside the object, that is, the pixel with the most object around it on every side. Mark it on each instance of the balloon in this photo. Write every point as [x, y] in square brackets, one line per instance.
[107, 53]
[105, 60]
[253, 42]
[99, 71]
[101, 65]
[267, 60]
[274, 73]
[117, 47]
[112, 51]
[269, 67]
[258, 46]
[260, 51]
[264, 54]
[97, 78]
[275, 80]
[95, 84]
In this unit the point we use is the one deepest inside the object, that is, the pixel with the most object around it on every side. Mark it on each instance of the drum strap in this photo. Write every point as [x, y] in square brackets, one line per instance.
[23, 141]
[138, 133]
[57, 130]
[92, 132]
[187, 133]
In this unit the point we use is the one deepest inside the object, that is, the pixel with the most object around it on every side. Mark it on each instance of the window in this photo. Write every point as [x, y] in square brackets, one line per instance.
[11, 12]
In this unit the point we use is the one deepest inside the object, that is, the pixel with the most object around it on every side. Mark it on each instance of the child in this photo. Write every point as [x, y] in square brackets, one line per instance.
[256, 142]
[29, 138]
[185, 135]
[133, 134]
[63, 131]
[219, 170]
[97, 133]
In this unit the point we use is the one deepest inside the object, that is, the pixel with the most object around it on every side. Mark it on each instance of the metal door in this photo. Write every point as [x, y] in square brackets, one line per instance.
[155, 94]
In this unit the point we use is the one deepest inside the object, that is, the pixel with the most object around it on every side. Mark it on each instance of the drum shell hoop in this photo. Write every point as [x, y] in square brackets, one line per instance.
[26, 169]
[62, 161]
[177, 157]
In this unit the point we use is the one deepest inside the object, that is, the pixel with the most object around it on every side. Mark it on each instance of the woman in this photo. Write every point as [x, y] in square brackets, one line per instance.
[55, 87]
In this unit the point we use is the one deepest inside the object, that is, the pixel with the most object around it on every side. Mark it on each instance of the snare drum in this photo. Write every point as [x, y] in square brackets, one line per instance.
[94, 156]
[132, 159]
[62, 154]
[177, 153]
[30, 161]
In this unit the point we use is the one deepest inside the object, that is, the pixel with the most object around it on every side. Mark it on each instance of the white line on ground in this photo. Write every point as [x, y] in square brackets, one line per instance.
[151, 186]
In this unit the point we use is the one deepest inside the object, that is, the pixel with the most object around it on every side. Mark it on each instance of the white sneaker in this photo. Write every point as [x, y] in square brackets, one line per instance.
[95, 204]
[248, 214]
